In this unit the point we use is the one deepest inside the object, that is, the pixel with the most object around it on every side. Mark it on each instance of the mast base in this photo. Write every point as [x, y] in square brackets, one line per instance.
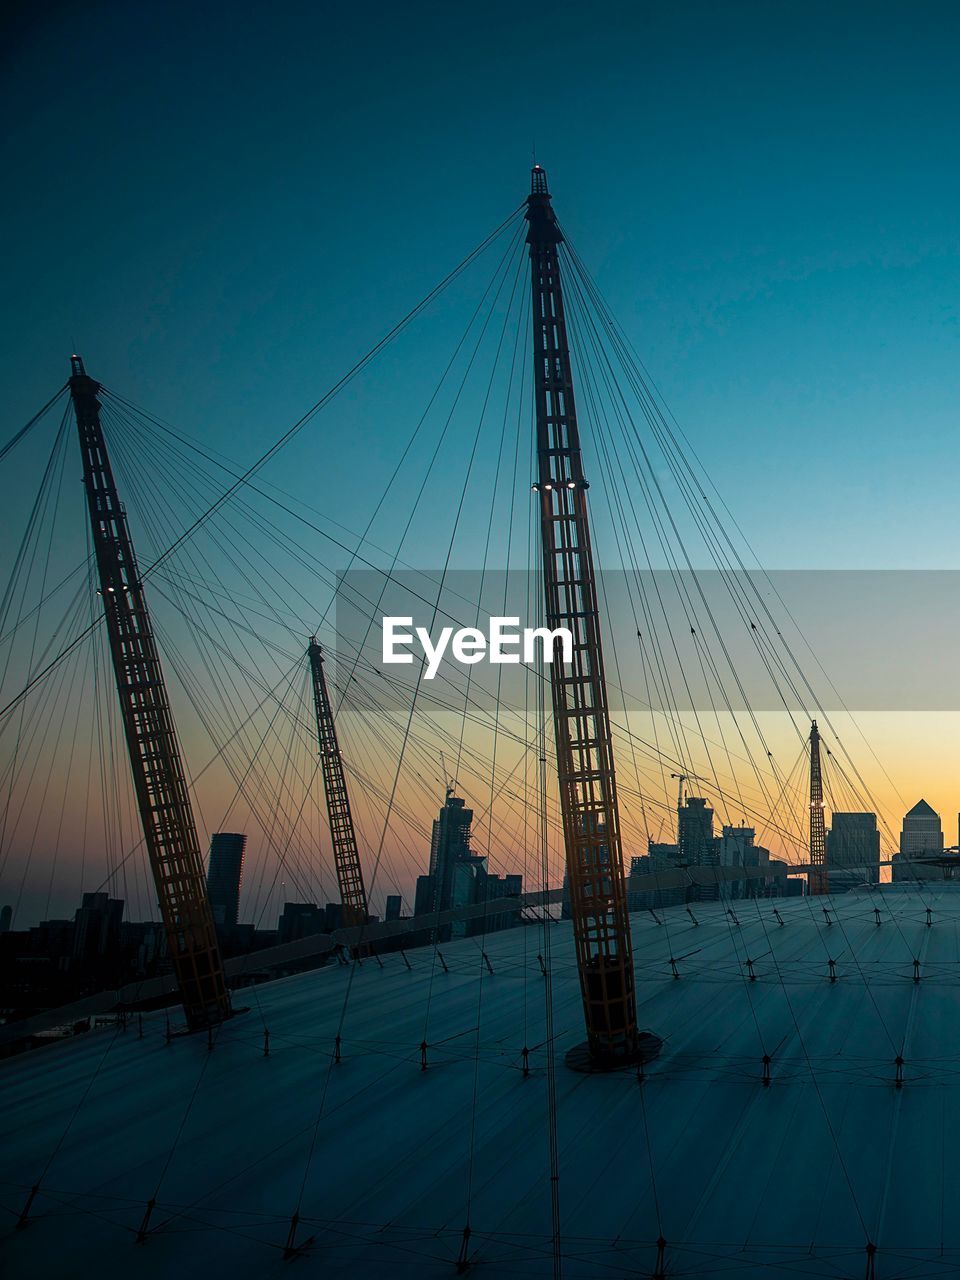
[581, 1058]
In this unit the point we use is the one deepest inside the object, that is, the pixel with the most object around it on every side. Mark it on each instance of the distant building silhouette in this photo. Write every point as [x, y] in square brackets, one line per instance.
[96, 931]
[6, 918]
[459, 878]
[393, 905]
[922, 835]
[853, 851]
[225, 875]
[300, 920]
[697, 845]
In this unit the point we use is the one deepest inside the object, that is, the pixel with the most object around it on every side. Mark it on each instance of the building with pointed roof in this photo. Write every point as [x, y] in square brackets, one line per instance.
[922, 836]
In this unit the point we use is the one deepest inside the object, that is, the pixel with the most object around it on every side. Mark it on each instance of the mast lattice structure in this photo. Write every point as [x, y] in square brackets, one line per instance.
[353, 895]
[818, 880]
[588, 794]
[159, 781]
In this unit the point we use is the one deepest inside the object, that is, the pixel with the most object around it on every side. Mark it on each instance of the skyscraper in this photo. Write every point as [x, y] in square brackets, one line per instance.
[853, 851]
[698, 848]
[225, 875]
[449, 846]
[96, 933]
[458, 877]
[922, 835]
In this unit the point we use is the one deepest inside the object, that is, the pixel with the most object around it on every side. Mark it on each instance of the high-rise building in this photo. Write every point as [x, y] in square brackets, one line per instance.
[659, 858]
[96, 929]
[459, 878]
[853, 851]
[698, 848]
[225, 875]
[737, 847]
[449, 843]
[300, 920]
[393, 905]
[922, 836]
[6, 917]
[452, 871]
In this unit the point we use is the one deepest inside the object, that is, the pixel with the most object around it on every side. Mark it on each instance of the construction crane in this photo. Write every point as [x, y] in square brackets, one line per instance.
[588, 794]
[159, 781]
[353, 895]
[817, 880]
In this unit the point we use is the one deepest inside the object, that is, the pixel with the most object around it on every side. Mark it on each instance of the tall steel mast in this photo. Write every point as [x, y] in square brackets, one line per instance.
[353, 895]
[158, 776]
[818, 879]
[588, 793]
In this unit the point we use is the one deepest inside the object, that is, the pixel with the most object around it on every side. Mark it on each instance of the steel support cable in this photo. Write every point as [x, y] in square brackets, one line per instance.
[25, 430]
[385, 828]
[674, 722]
[656, 518]
[237, 774]
[619, 402]
[193, 554]
[750, 758]
[496, 489]
[288, 435]
[215, 677]
[68, 775]
[709, 539]
[369, 784]
[186, 470]
[716, 673]
[81, 568]
[310, 563]
[613, 499]
[215, 758]
[420, 597]
[587, 374]
[479, 603]
[656, 399]
[443, 576]
[493, 770]
[498, 280]
[26, 551]
[505, 258]
[308, 560]
[24, 562]
[591, 390]
[704, 656]
[30, 767]
[197, 696]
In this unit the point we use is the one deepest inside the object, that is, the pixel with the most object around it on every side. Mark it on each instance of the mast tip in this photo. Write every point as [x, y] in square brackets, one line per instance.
[538, 181]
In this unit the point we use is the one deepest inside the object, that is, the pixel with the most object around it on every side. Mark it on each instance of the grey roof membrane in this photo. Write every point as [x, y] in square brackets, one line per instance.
[388, 1162]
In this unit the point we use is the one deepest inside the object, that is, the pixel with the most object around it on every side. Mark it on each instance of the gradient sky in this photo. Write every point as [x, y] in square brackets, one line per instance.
[224, 207]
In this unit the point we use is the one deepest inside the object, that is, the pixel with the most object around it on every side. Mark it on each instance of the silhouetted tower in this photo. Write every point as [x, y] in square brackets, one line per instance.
[169, 830]
[818, 839]
[353, 895]
[588, 794]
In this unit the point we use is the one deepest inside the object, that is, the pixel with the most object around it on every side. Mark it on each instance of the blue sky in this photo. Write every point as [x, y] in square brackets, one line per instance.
[224, 207]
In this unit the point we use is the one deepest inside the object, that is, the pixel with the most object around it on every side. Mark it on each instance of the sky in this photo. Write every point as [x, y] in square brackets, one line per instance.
[223, 209]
